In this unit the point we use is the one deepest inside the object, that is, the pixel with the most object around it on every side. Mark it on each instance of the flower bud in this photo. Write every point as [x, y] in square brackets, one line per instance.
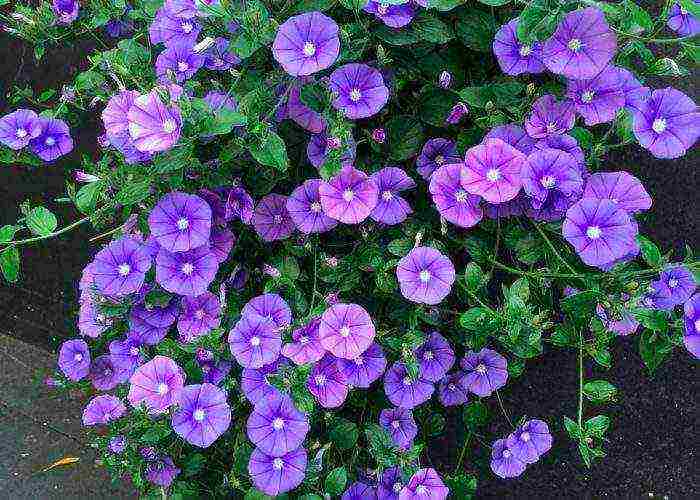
[333, 142]
[445, 79]
[379, 135]
[456, 113]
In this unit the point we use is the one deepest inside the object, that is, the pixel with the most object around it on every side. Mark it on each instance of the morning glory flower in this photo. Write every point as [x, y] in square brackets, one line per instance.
[513, 57]
[306, 44]
[18, 128]
[359, 90]
[425, 275]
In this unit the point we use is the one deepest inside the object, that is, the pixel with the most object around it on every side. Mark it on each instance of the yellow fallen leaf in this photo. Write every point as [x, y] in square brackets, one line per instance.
[59, 463]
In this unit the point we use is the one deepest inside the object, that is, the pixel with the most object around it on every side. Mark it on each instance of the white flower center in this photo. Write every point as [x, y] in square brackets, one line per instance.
[309, 49]
[397, 487]
[320, 379]
[424, 276]
[219, 62]
[183, 224]
[493, 174]
[182, 66]
[345, 332]
[21, 133]
[551, 127]
[587, 96]
[697, 325]
[387, 195]
[315, 207]
[395, 424]
[359, 361]
[199, 313]
[187, 268]
[428, 355]
[348, 195]
[481, 369]
[169, 126]
[198, 415]
[255, 341]
[525, 436]
[461, 196]
[506, 453]
[277, 219]
[525, 50]
[124, 269]
[593, 232]
[78, 357]
[672, 283]
[278, 424]
[50, 141]
[574, 44]
[277, 463]
[439, 160]
[407, 381]
[304, 339]
[134, 351]
[683, 11]
[548, 181]
[451, 387]
[421, 490]
[659, 125]
[355, 95]
[162, 388]
[187, 27]
[382, 9]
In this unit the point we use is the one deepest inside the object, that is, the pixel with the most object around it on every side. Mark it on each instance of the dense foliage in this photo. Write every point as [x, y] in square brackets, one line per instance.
[333, 223]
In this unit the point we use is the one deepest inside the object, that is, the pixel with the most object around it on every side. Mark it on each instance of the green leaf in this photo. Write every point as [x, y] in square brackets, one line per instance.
[344, 434]
[86, 197]
[270, 151]
[564, 336]
[475, 415]
[498, 94]
[155, 433]
[580, 306]
[133, 192]
[445, 5]
[475, 318]
[431, 29]
[654, 348]
[7, 233]
[400, 246]
[535, 22]
[354, 5]
[335, 481]
[175, 159]
[654, 320]
[597, 426]
[600, 391]
[650, 252]
[476, 29]
[41, 221]
[572, 428]
[405, 137]
[462, 486]
[691, 7]
[435, 106]
[9, 264]
[495, 3]
[474, 277]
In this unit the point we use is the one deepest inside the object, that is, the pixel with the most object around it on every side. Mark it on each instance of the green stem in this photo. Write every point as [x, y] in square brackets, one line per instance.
[552, 247]
[503, 409]
[464, 451]
[520, 272]
[656, 40]
[580, 379]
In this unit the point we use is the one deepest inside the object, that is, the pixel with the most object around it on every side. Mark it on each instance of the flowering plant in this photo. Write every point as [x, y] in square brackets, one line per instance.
[335, 222]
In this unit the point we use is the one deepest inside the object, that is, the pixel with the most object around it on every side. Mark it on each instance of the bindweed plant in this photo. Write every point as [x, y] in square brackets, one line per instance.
[333, 221]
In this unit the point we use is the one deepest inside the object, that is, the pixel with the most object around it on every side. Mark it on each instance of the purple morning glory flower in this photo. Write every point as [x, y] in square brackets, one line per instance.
[391, 209]
[276, 475]
[66, 11]
[199, 315]
[218, 57]
[365, 368]
[681, 21]
[599, 98]
[53, 141]
[400, 425]
[456, 114]
[436, 153]
[169, 28]
[450, 390]
[220, 243]
[394, 16]
[349, 197]
[599, 230]
[269, 307]
[271, 219]
[390, 484]
[503, 462]
[435, 357]
[277, 427]
[239, 204]
[126, 354]
[581, 46]
[677, 284]
[346, 330]
[513, 57]
[219, 100]
[74, 359]
[254, 342]
[91, 322]
[550, 117]
[620, 187]
[425, 275]
[301, 114]
[484, 372]
[452, 201]
[115, 116]
[145, 333]
[425, 483]
[304, 207]
[667, 124]
[203, 414]
[492, 171]
[548, 173]
[567, 144]
[360, 90]
[155, 384]
[178, 62]
[530, 441]
[162, 471]
[18, 128]
[215, 372]
[359, 491]
[635, 93]
[102, 410]
[306, 346]
[181, 222]
[403, 390]
[117, 444]
[691, 316]
[120, 267]
[317, 150]
[105, 375]
[624, 324]
[153, 125]
[513, 135]
[327, 382]
[186, 273]
[306, 44]
[256, 386]
[512, 208]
